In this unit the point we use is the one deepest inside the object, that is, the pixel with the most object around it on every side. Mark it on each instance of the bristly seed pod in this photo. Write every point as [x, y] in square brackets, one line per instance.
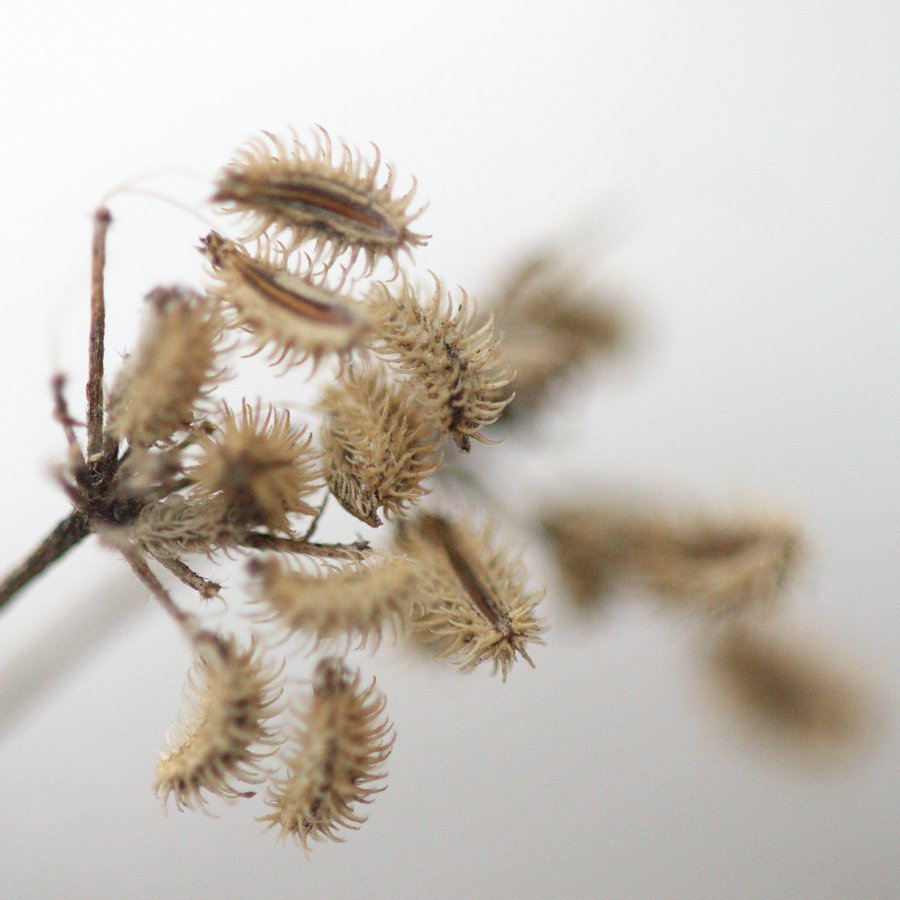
[354, 602]
[296, 312]
[260, 466]
[173, 368]
[473, 603]
[233, 700]
[305, 192]
[336, 755]
[456, 370]
[377, 444]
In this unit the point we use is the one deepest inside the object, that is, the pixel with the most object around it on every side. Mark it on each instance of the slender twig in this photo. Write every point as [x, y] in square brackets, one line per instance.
[256, 541]
[142, 570]
[61, 410]
[66, 535]
[102, 220]
[203, 586]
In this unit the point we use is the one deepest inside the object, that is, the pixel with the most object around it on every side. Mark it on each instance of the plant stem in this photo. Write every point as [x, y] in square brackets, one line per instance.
[102, 220]
[66, 535]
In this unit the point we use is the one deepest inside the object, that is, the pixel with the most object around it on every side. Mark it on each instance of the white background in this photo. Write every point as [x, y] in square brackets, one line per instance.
[736, 161]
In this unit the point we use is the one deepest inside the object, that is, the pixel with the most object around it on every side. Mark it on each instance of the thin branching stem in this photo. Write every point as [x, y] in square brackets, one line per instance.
[257, 541]
[102, 221]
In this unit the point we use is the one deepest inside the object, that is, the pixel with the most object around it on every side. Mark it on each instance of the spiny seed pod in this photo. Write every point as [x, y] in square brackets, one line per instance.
[788, 686]
[233, 700]
[260, 466]
[354, 602]
[296, 312]
[173, 368]
[551, 325]
[473, 602]
[378, 447]
[341, 741]
[179, 526]
[456, 370]
[305, 192]
[719, 567]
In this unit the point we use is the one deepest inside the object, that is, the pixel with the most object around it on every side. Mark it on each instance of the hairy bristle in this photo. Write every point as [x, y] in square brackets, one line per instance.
[233, 700]
[173, 368]
[303, 191]
[454, 368]
[377, 444]
[352, 603]
[294, 312]
[474, 603]
[342, 738]
[260, 466]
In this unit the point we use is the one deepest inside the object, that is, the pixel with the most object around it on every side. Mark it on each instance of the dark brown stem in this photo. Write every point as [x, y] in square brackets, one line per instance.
[184, 573]
[257, 541]
[102, 220]
[142, 570]
[66, 535]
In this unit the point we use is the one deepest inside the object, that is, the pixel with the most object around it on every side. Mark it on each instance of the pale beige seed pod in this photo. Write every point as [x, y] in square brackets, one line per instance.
[718, 566]
[353, 603]
[293, 311]
[474, 603]
[227, 730]
[304, 193]
[453, 366]
[173, 369]
[793, 692]
[179, 526]
[341, 741]
[552, 325]
[377, 444]
[259, 465]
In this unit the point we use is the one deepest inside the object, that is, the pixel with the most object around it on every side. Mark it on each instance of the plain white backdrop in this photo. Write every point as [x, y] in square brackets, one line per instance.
[730, 171]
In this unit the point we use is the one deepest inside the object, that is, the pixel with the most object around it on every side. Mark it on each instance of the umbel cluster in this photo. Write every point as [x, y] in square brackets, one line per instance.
[170, 471]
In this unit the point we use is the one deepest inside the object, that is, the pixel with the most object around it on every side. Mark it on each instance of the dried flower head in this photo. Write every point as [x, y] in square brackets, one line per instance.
[473, 602]
[342, 740]
[307, 193]
[377, 444]
[174, 367]
[714, 565]
[295, 311]
[789, 687]
[454, 368]
[234, 697]
[260, 466]
[354, 602]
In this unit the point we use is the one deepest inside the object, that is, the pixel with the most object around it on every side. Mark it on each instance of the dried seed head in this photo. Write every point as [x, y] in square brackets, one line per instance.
[718, 567]
[455, 369]
[233, 700]
[295, 311]
[473, 601]
[341, 741]
[377, 444]
[307, 193]
[173, 368]
[260, 466]
[179, 526]
[551, 325]
[794, 690]
[354, 602]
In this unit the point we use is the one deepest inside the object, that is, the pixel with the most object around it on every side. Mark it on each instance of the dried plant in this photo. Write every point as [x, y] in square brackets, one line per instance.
[167, 470]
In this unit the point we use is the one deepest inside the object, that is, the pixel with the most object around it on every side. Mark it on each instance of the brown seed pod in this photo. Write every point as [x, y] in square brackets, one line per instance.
[342, 739]
[353, 603]
[172, 370]
[378, 445]
[260, 466]
[455, 370]
[305, 192]
[234, 697]
[294, 311]
[473, 601]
